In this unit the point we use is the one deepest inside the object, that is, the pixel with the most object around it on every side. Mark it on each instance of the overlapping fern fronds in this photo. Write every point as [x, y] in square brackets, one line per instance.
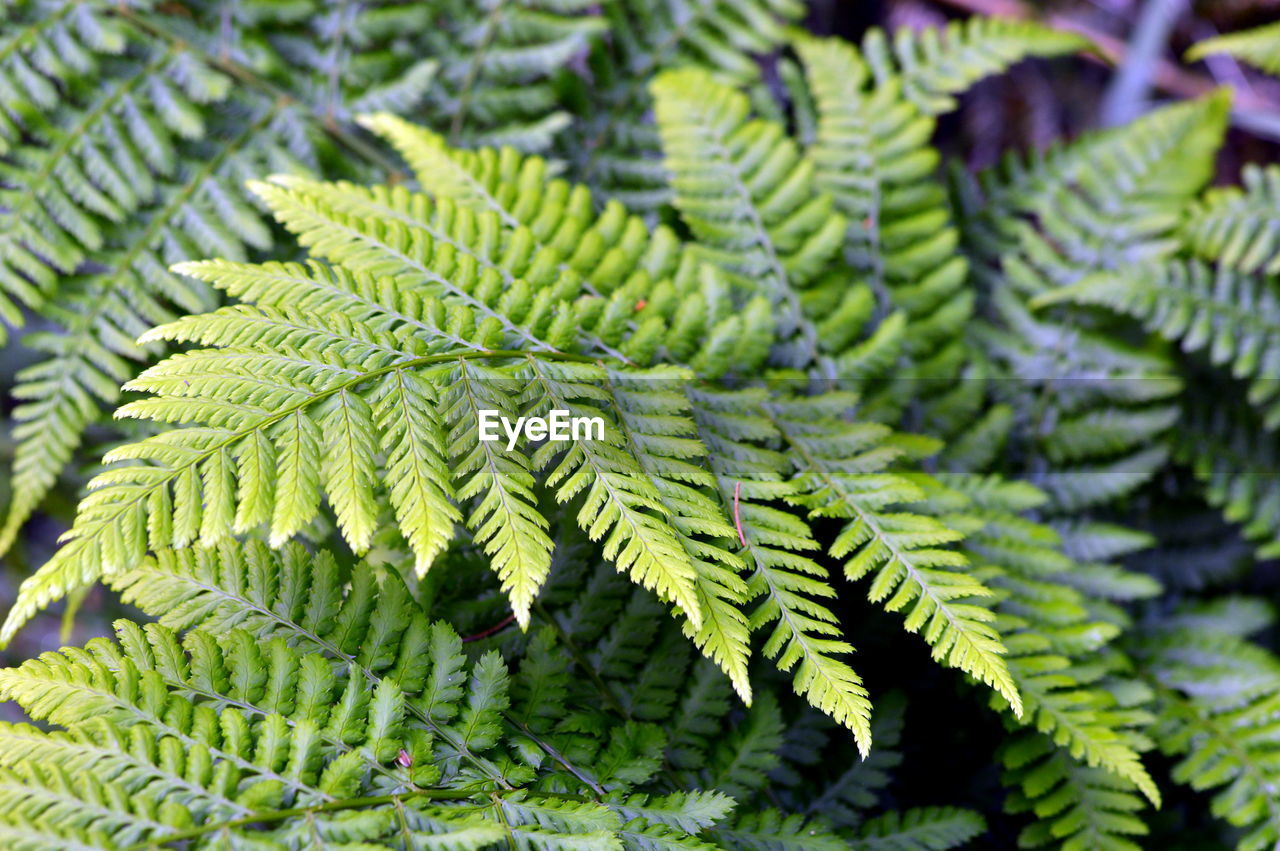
[257, 716]
[129, 130]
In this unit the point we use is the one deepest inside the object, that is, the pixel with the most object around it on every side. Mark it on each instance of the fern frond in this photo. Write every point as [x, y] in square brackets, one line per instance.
[871, 151]
[1240, 225]
[747, 194]
[1075, 806]
[803, 632]
[620, 153]
[496, 63]
[309, 703]
[1236, 461]
[1232, 317]
[1259, 46]
[937, 64]
[1218, 703]
[920, 829]
[843, 474]
[127, 147]
[1055, 641]
[1105, 203]
[774, 831]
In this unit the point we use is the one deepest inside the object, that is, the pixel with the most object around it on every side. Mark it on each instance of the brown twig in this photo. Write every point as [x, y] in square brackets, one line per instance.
[498, 627]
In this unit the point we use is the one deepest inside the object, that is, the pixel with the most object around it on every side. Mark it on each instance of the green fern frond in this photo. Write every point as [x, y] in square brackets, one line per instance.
[127, 145]
[1075, 806]
[620, 150]
[937, 64]
[789, 586]
[496, 63]
[296, 704]
[747, 194]
[871, 151]
[1218, 702]
[774, 831]
[1232, 317]
[1259, 46]
[920, 829]
[843, 475]
[1239, 225]
[1105, 203]
[1235, 459]
[1054, 638]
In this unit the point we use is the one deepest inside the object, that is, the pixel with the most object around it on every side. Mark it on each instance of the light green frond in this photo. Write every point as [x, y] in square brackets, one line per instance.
[790, 587]
[1074, 806]
[872, 152]
[1259, 46]
[935, 64]
[842, 469]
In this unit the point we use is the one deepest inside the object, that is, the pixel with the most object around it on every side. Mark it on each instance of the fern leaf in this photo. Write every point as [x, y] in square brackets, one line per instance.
[937, 64]
[1237, 226]
[842, 474]
[1233, 318]
[747, 194]
[1258, 46]
[920, 829]
[1217, 697]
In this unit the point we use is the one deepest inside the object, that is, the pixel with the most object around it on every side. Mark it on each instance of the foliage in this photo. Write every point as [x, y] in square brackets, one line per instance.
[844, 388]
[1258, 47]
